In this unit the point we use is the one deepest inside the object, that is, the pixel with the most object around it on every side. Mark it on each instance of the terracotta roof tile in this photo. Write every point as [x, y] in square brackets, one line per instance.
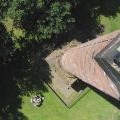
[80, 62]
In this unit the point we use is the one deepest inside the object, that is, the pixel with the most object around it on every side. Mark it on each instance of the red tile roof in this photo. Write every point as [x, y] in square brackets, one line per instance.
[80, 62]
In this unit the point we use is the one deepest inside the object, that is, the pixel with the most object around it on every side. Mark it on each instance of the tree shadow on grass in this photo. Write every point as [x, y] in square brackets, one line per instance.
[87, 19]
[10, 100]
[87, 14]
[22, 73]
[110, 99]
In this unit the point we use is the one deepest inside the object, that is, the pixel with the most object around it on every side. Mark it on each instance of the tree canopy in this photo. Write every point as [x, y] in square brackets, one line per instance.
[41, 19]
[4, 5]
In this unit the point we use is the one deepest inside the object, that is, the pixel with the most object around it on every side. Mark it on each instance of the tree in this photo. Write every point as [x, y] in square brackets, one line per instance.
[6, 44]
[41, 19]
[4, 7]
[5, 38]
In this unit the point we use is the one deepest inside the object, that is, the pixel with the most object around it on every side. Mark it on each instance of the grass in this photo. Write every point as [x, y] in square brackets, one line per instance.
[110, 23]
[90, 106]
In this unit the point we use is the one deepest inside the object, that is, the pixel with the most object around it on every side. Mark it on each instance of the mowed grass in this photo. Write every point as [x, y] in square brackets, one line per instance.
[110, 23]
[90, 107]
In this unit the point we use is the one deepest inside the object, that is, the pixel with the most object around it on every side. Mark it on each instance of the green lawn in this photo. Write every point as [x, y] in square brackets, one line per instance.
[111, 23]
[91, 106]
